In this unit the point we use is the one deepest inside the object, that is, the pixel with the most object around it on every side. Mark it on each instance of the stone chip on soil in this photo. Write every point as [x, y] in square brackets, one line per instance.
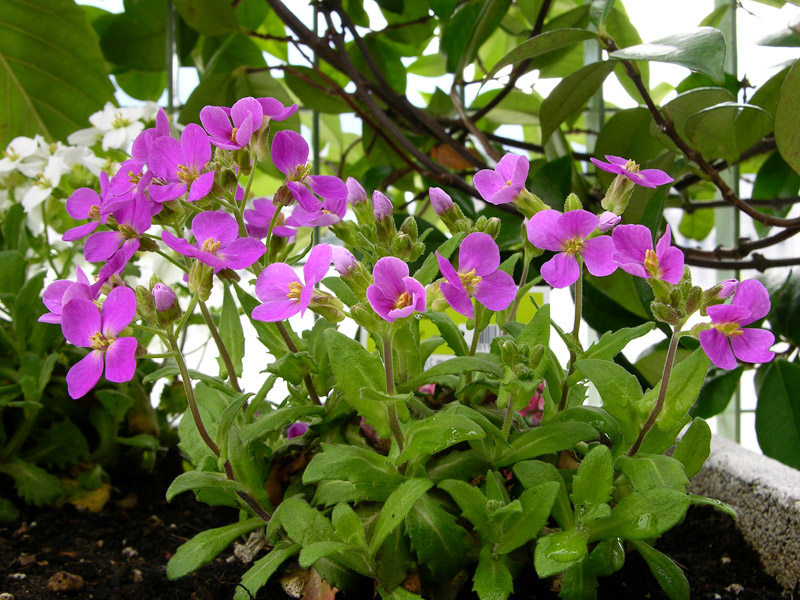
[65, 582]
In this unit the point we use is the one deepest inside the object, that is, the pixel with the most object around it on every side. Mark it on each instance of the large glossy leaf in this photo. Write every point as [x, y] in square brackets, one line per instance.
[51, 69]
[437, 432]
[686, 105]
[787, 119]
[546, 42]
[669, 575]
[135, 38]
[778, 411]
[713, 130]
[571, 94]
[701, 50]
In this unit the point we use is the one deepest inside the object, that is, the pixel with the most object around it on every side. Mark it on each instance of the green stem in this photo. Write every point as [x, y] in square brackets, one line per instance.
[312, 391]
[153, 330]
[509, 418]
[223, 351]
[272, 222]
[662, 391]
[476, 336]
[394, 419]
[513, 314]
[172, 260]
[187, 314]
[47, 247]
[576, 326]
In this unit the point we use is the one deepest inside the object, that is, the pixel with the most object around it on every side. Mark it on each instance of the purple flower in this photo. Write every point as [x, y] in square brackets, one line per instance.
[275, 110]
[381, 205]
[132, 222]
[566, 234]
[296, 429]
[181, 164]
[355, 192]
[477, 277]
[164, 297]
[395, 295]
[343, 260]
[728, 338]
[61, 291]
[282, 293]
[247, 116]
[290, 156]
[535, 409]
[505, 182]
[217, 242]
[84, 325]
[622, 166]
[440, 200]
[85, 203]
[331, 212]
[130, 179]
[608, 220]
[260, 216]
[140, 151]
[727, 288]
[635, 254]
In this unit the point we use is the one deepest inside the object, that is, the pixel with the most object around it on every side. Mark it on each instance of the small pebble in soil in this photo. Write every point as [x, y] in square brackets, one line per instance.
[6, 596]
[18, 576]
[725, 560]
[65, 582]
[129, 552]
[26, 559]
[137, 577]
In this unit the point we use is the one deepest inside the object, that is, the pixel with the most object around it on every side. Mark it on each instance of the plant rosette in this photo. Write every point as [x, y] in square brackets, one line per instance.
[372, 466]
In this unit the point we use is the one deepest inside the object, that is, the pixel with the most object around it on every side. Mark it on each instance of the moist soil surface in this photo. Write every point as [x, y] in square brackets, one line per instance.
[122, 551]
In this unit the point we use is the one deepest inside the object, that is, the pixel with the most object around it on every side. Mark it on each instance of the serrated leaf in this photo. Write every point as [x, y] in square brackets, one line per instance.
[60, 445]
[534, 472]
[669, 575]
[701, 50]
[684, 387]
[257, 576]
[51, 69]
[694, 447]
[231, 332]
[341, 553]
[595, 416]
[348, 526]
[470, 500]
[520, 528]
[33, 484]
[302, 523]
[570, 95]
[351, 463]
[437, 432]
[396, 508]
[439, 542]
[492, 580]
[546, 439]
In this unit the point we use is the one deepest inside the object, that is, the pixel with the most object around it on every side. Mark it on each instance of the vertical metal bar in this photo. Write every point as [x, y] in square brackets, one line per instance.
[315, 127]
[729, 423]
[171, 58]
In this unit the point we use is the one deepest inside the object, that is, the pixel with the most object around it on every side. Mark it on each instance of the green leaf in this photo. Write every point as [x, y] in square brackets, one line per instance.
[595, 416]
[687, 104]
[600, 11]
[348, 526]
[556, 552]
[534, 472]
[293, 367]
[543, 43]
[277, 419]
[775, 179]
[116, 403]
[142, 85]
[669, 575]
[257, 576]
[135, 38]
[355, 368]
[471, 502]
[449, 331]
[439, 542]
[313, 92]
[643, 515]
[626, 133]
[716, 393]
[340, 290]
[546, 439]
[429, 65]
[684, 387]
[395, 509]
[694, 447]
[713, 130]
[651, 471]
[492, 580]
[302, 523]
[593, 484]
[267, 332]
[231, 332]
[698, 224]
[701, 50]
[537, 331]
[519, 528]
[60, 445]
[351, 463]
[51, 69]
[33, 484]
[208, 17]
[612, 343]
[718, 504]
[437, 432]
[197, 480]
[455, 366]
[778, 411]
[571, 94]
[339, 552]
[578, 583]
[787, 119]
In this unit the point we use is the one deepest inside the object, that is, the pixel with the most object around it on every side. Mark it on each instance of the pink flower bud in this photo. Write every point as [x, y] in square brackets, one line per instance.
[727, 289]
[164, 296]
[296, 430]
[440, 200]
[343, 260]
[355, 193]
[428, 388]
[608, 220]
[381, 205]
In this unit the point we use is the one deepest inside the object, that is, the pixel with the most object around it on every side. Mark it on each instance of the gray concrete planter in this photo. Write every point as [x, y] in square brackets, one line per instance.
[766, 495]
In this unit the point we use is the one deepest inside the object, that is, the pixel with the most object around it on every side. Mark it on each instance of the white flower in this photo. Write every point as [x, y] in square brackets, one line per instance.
[45, 183]
[18, 150]
[119, 126]
[81, 155]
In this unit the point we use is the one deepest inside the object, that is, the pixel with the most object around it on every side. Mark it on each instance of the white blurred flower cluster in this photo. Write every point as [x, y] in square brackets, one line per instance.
[43, 164]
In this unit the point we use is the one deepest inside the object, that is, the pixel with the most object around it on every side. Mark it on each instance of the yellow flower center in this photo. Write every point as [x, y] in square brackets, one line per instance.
[211, 246]
[301, 172]
[99, 341]
[186, 175]
[632, 167]
[119, 121]
[233, 133]
[651, 263]
[134, 177]
[573, 246]
[403, 300]
[127, 232]
[730, 329]
[470, 281]
[94, 212]
[295, 289]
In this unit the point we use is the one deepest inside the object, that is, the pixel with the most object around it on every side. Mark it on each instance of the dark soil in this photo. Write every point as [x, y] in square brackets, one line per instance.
[121, 553]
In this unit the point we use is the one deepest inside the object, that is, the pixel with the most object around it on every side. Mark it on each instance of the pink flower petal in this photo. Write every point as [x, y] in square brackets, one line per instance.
[289, 150]
[576, 224]
[216, 122]
[272, 284]
[165, 155]
[389, 273]
[488, 182]
[80, 319]
[561, 271]
[217, 225]
[458, 298]
[597, 253]
[728, 313]
[631, 243]
[752, 294]
[244, 109]
[121, 360]
[655, 177]
[479, 252]
[752, 345]
[317, 264]
[102, 245]
[195, 147]
[670, 264]
[304, 197]
[54, 294]
[544, 232]
[118, 311]
[380, 302]
[81, 202]
[201, 187]
[496, 291]
[180, 245]
[328, 186]
[79, 232]
[241, 253]
[85, 374]
[448, 271]
[608, 168]
[716, 346]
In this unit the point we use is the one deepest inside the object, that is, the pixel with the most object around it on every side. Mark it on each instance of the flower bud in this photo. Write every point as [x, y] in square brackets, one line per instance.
[608, 220]
[145, 304]
[618, 195]
[436, 300]
[260, 141]
[365, 317]
[403, 247]
[201, 280]
[352, 272]
[296, 429]
[409, 227]
[492, 227]
[355, 192]
[441, 201]
[327, 306]
[535, 358]
[693, 299]
[665, 313]
[509, 352]
[164, 297]
[529, 204]
[381, 206]
[572, 203]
